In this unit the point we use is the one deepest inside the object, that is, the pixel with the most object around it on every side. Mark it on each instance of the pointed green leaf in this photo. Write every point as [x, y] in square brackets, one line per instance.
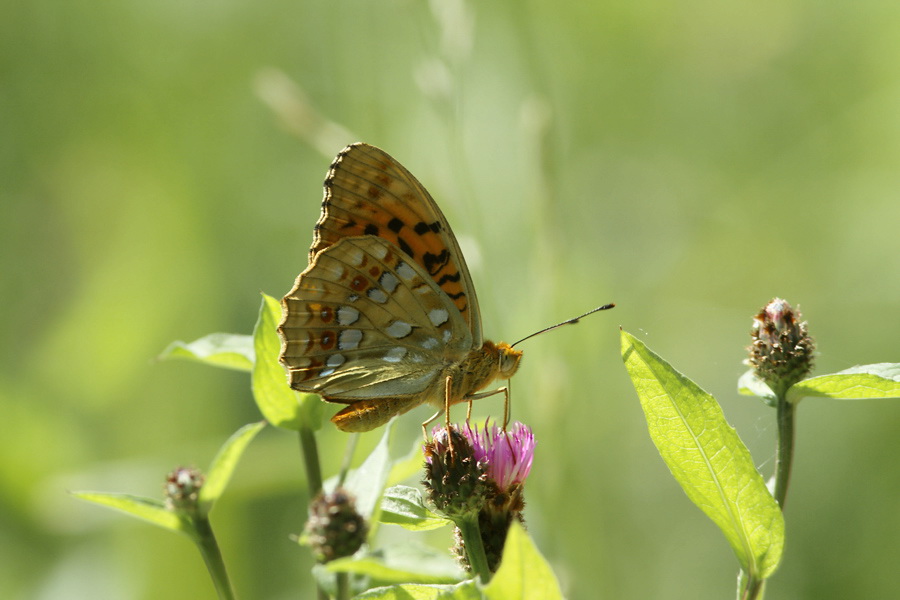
[147, 509]
[523, 572]
[751, 385]
[279, 404]
[404, 506]
[224, 463]
[226, 350]
[881, 380]
[467, 590]
[708, 459]
[408, 466]
[367, 482]
[409, 563]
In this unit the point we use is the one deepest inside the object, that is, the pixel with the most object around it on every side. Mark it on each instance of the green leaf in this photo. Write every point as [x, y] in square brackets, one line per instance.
[147, 509]
[403, 505]
[409, 563]
[708, 459]
[408, 466]
[367, 482]
[226, 350]
[279, 404]
[751, 385]
[523, 573]
[881, 380]
[223, 464]
[467, 590]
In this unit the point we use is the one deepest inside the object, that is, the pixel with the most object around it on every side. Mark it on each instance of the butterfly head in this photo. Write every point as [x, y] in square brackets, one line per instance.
[507, 359]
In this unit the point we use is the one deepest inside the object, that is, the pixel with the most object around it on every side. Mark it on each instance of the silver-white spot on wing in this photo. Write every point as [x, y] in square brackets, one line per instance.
[377, 295]
[399, 329]
[395, 354]
[438, 316]
[389, 282]
[405, 271]
[347, 315]
[349, 339]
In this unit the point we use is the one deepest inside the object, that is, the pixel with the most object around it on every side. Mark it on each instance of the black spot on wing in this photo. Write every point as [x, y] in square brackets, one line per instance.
[395, 225]
[422, 227]
[435, 262]
[406, 247]
[371, 229]
[454, 278]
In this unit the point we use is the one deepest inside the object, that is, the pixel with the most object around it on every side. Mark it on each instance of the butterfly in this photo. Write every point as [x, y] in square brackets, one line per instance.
[385, 317]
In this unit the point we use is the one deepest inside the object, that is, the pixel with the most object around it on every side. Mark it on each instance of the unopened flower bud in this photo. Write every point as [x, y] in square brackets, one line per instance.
[781, 351]
[334, 529]
[182, 489]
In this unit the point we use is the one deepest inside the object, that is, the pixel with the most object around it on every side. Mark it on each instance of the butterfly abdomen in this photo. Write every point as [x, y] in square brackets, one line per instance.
[366, 415]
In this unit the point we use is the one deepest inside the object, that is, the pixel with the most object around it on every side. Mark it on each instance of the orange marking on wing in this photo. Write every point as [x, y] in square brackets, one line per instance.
[327, 340]
[359, 284]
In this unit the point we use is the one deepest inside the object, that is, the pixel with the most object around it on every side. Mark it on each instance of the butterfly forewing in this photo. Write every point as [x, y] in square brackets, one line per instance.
[368, 193]
[364, 321]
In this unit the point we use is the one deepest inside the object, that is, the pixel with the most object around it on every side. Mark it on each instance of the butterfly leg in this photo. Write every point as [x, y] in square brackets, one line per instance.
[504, 390]
[447, 387]
[428, 422]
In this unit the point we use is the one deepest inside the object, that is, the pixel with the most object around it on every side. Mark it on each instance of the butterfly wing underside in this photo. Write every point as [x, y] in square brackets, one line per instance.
[367, 192]
[363, 322]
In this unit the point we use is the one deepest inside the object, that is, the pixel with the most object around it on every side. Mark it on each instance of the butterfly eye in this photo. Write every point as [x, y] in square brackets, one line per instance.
[509, 360]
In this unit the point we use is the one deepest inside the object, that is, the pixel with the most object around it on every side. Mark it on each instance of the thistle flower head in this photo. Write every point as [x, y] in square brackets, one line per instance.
[456, 481]
[480, 476]
[781, 351]
[505, 455]
[334, 529]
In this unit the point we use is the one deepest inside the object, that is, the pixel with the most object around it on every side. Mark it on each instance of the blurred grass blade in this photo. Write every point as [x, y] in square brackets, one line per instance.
[880, 380]
[403, 505]
[523, 572]
[146, 509]
[708, 459]
[223, 464]
[279, 404]
[226, 350]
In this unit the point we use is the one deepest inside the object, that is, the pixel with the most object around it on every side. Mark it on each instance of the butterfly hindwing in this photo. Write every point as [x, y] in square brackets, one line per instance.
[363, 321]
[368, 193]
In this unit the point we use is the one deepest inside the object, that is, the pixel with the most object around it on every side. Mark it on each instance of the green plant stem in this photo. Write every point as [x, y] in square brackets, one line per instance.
[784, 454]
[310, 451]
[343, 586]
[212, 556]
[753, 588]
[471, 535]
[784, 459]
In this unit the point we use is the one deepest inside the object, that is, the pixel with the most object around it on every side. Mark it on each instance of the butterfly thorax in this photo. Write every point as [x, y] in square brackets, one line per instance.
[481, 367]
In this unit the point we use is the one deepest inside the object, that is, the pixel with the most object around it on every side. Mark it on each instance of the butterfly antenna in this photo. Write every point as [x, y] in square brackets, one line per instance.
[567, 322]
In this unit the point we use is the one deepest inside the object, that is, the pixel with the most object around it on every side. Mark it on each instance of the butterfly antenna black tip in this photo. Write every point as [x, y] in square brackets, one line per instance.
[566, 322]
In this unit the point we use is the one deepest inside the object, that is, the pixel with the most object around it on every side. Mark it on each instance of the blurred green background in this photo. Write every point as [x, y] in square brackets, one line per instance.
[161, 164]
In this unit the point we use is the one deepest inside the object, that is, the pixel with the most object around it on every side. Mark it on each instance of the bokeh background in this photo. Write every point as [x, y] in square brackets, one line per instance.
[161, 164]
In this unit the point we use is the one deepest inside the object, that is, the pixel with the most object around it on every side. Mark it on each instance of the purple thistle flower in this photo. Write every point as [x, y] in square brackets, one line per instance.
[506, 456]
[475, 477]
